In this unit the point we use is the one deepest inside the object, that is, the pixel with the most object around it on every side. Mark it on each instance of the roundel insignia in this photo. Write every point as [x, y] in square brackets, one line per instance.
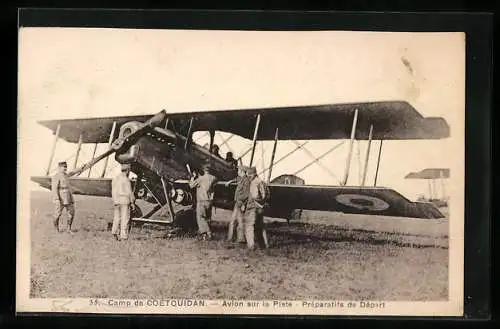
[362, 202]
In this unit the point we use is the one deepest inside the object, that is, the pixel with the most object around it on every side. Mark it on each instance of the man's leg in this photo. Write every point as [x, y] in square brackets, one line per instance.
[240, 231]
[261, 230]
[70, 210]
[207, 217]
[57, 214]
[232, 222]
[125, 217]
[116, 220]
[250, 228]
[200, 218]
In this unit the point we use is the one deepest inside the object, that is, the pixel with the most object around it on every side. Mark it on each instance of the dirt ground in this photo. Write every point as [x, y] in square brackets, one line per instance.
[305, 261]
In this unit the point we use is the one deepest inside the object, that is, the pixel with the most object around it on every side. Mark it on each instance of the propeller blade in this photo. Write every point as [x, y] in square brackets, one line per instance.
[120, 142]
[90, 164]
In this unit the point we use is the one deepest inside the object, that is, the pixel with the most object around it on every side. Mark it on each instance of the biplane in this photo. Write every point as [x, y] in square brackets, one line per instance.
[162, 154]
[431, 175]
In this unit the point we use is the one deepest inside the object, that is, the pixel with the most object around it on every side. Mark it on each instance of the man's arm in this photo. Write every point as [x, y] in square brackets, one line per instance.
[234, 180]
[262, 191]
[193, 182]
[131, 192]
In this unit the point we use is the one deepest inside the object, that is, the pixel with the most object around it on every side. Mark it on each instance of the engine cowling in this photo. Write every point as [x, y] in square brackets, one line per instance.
[128, 128]
[127, 156]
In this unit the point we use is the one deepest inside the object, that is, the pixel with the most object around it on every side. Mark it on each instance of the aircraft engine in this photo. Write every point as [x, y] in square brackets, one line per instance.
[182, 197]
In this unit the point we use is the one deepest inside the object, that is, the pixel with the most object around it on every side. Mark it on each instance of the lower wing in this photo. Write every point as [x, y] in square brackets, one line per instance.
[285, 198]
[351, 200]
[80, 185]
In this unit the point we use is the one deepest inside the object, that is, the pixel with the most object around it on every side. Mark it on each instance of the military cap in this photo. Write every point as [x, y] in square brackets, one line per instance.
[62, 164]
[252, 171]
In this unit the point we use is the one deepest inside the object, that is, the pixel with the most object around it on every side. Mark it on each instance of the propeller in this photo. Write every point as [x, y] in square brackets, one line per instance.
[123, 141]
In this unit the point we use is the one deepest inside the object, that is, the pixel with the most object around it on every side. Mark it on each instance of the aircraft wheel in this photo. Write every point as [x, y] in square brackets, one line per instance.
[186, 221]
[296, 214]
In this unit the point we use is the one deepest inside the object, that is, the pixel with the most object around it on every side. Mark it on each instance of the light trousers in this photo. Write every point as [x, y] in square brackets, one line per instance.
[58, 208]
[254, 228]
[236, 219]
[121, 219]
[204, 216]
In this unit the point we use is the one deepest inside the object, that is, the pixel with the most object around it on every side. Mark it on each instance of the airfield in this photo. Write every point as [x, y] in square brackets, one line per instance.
[324, 256]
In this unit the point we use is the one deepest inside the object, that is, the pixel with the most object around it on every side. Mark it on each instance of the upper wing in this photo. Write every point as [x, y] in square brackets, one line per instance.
[80, 185]
[391, 120]
[94, 130]
[430, 173]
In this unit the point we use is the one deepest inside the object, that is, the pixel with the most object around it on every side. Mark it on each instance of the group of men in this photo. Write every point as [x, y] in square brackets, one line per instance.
[122, 195]
[229, 155]
[251, 196]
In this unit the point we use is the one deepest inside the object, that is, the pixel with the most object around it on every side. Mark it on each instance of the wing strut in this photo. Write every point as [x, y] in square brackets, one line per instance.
[109, 146]
[93, 155]
[367, 157]
[256, 130]
[188, 137]
[378, 162]
[443, 189]
[349, 155]
[272, 155]
[78, 148]
[56, 138]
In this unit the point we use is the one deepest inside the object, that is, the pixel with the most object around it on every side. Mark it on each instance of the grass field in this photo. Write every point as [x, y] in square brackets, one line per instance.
[310, 260]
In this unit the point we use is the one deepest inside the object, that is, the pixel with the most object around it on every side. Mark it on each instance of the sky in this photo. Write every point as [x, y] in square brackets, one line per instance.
[81, 73]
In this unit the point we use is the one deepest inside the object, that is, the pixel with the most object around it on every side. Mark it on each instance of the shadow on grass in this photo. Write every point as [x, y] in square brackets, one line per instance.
[282, 234]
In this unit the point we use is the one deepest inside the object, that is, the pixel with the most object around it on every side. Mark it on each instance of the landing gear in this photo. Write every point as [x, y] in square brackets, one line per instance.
[135, 213]
[185, 220]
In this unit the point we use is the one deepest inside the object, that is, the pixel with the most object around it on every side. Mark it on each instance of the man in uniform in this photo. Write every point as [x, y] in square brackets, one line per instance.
[204, 185]
[232, 161]
[123, 200]
[240, 200]
[215, 150]
[254, 212]
[62, 196]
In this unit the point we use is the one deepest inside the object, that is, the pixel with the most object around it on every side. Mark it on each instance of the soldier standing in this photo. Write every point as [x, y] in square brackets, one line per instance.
[204, 185]
[231, 160]
[123, 200]
[62, 197]
[254, 212]
[240, 200]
